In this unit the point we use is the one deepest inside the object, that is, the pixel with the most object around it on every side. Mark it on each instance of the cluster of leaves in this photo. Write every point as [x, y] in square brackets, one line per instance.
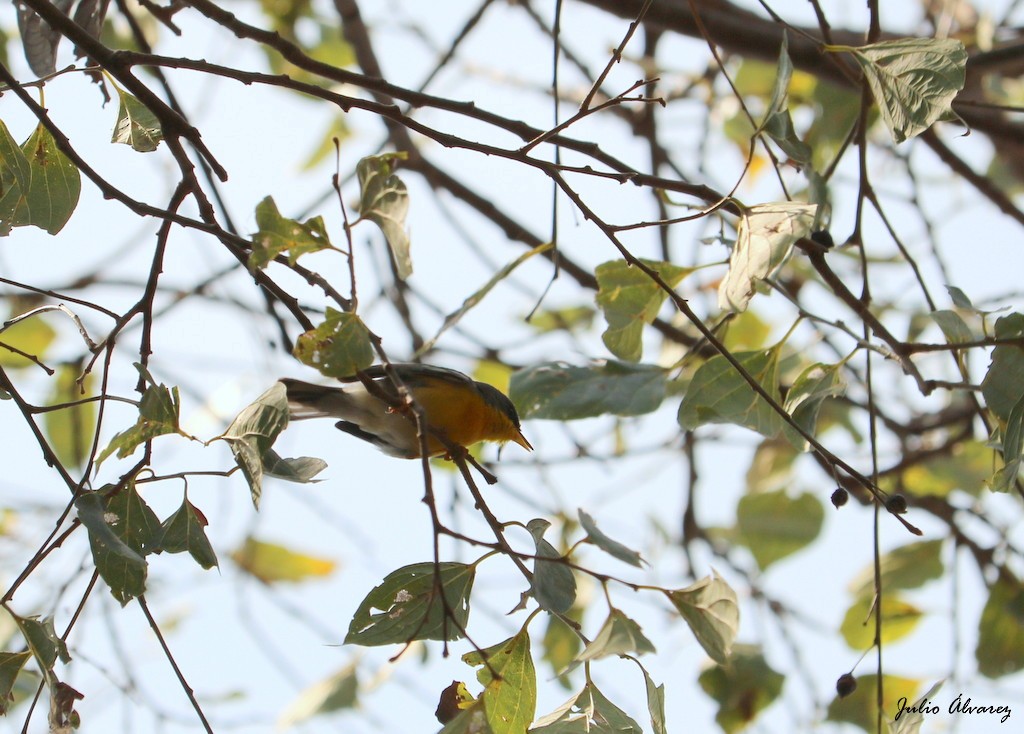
[431, 601]
[40, 185]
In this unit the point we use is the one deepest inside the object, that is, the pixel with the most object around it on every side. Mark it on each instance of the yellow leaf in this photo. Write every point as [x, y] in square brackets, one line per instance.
[270, 562]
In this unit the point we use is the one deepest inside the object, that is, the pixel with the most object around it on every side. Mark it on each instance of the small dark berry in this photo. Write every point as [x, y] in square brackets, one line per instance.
[897, 504]
[846, 685]
[840, 497]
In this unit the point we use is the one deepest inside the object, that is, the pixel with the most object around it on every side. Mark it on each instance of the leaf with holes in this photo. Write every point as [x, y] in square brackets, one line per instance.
[120, 533]
[339, 347]
[408, 606]
[510, 683]
[384, 200]
[158, 416]
[136, 125]
[278, 234]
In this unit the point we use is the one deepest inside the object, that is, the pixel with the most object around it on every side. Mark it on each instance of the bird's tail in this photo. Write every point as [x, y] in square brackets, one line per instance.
[306, 400]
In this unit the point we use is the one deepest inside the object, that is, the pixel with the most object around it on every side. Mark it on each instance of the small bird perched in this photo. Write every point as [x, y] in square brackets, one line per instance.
[455, 406]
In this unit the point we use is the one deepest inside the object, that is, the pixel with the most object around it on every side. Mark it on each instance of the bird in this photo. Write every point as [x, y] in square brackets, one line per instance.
[455, 407]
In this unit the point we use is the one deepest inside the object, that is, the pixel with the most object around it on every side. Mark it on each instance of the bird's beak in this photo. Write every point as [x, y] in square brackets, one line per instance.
[520, 439]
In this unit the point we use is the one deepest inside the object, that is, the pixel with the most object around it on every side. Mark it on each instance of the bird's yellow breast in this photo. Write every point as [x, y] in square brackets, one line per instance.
[461, 415]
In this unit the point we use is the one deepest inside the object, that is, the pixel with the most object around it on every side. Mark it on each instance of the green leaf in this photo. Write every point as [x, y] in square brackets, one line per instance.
[184, 532]
[561, 645]
[718, 394]
[339, 347]
[454, 317]
[334, 693]
[384, 200]
[742, 689]
[815, 384]
[54, 184]
[43, 642]
[39, 39]
[907, 567]
[574, 319]
[772, 465]
[1000, 649]
[960, 299]
[510, 683]
[70, 430]
[860, 708]
[954, 328]
[710, 608]
[158, 416]
[271, 562]
[1002, 384]
[746, 331]
[32, 335]
[589, 712]
[253, 432]
[122, 566]
[337, 130]
[277, 235]
[409, 606]
[777, 122]
[557, 391]
[899, 619]
[133, 520]
[764, 238]
[630, 300]
[913, 80]
[136, 125]
[1005, 478]
[774, 525]
[330, 47]
[609, 546]
[1013, 436]
[554, 586]
[15, 175]
[300, 470]
[303, 24]
[655, 703]
[966, 467]
[779, 127]
[11, 664]
[619, 635]
[472, 720]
